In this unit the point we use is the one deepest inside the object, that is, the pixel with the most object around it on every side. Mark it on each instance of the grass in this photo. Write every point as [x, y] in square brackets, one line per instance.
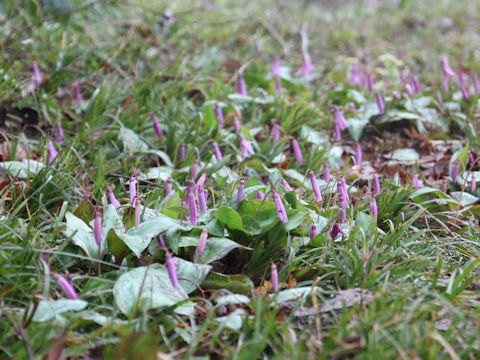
[132, 59]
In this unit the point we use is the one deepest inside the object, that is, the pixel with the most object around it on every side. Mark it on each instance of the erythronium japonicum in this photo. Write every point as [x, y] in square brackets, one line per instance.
[78, 95]
[216, 151]
[97, 227]
[192, 206]
[219, 113]
[133, 189]
[259, 195]
[447, 72]
[313, 231]
[52, 152]
[37, 75]
[241, 86]
[172, 271]
[326, 173]
[373, 208]
[245, 147]
[202, 199]
[380, 104]
[355, 75]
[138, 212]
[201, 180]
[343, 193]
[473, 185]
[277, 132]
[156, 127]
[60, 134]
[241, 186]
[274, 277]
[340, 119]
[202, 242]
[282, 214]
[195, 168]
[455, 169]
[168, 186]
[111, 197]
[315, 187]
[336, 230]
[376, 185]
[343, 215]
[358, 154]
[66, 286]
[286, 185]
[297, 151]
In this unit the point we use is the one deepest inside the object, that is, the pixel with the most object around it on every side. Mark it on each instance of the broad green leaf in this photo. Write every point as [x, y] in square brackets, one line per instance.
[48, 310]
[131, 141]
[240, 284]
[157, 173]
[194, 273]
[22, 169]
[82, 235]
[229, 218]
[295, 219]
[216, 248]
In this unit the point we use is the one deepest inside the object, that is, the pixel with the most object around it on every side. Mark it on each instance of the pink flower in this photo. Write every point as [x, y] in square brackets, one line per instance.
[202, 242]
[37, 75]
[216, 151]
[192, 206]
[276, 66]
[259, 195]
[182, 152]
[66, 286]
[277, 132]
[326, 173]
[416, 182]
[52, 152]
[278, 84]
[306, 67]
[313, 231]
[156, 127]
[473, 185]
[172, 271]
[236, 123]
[246, 147]
[78, 95]
[447, 70]
[241, 86]
[340, 119]
[201, 180]
[439, 98]
[380, 104]
[336, 129]
[315, 186]
[343, 193]
[465, 94]
[282, 214]
[112, 198]
[369, 78]
[455, 169]
[138, 212]
[219, 113]
[202, 200]
[376, 185]
[297, 151]
[336, 230]
[476, 85]
[240, 191]
[195, 168]
[355, 77]
[274, 277]
[168, 186]
[133, 189]
[461, 78]
[343, 215]
[97, 227]
[373, 208]
[358, 154]
[60, 134]
[286, 185]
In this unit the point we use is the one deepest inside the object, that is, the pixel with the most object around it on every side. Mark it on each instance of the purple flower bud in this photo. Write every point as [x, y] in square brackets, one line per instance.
[52, 153]
[161, 243]
[202, 200]
[274, 277]
[240, 191]
[192, 206]
[66, 286]
[156, 127]
[326, 173]
[447, 70]
[202, 242]
[455, 168]
[241, 86]
[138, 212]
[97, 227]
[358, 154]
[112, 198]
[380, 104]
[343, 193]
[133, 189]
[282, 214]
[246, 147]
[297, 151]
[216, 151]
[343, 215]
[476, 85]
[471, 158]
[168, 186]
[219, 113]
[259, 195]
[172, 271]
[195, 168]
[60, 134]
[201, 180]
[78, 95]
[336, 129]
[236, 123]
[461, 77]
[315, 186]
[445, 85]
[473, 185]
[416, 182]
[376, 185]
[37, 75]
[313, 231]
[439, 98]
[277, 132]
[409, 89]
[336, 230]
[465, 94]
[415, 84]
[182, 152]
[340, 119]
[355, 78]
[306, 67]
[373, 208]
[286, 185]
[278, 84]
[276, 66]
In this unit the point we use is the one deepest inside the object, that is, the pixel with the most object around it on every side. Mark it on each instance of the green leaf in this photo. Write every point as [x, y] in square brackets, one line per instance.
[295, 219]
[157, 173]
[229, 218]
[195, 273]
[117, 247]
[85, 211]
[239, 284]
[22, 169]
[48, 310]
[251, 225]
[215, 249]
[131, 141]
[82, 235]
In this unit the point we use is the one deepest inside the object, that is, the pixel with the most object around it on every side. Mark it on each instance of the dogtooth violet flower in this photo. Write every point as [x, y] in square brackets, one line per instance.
[376, 185]
[192, 206]
[241, 86]
[259, 195]
[195, 168]
[277, 132]
[343, 215]
[355, 77]
[455, 168]
[343, 193]
[245, 147]
[326, 173]
[168, 186]
[201, 180]
[336, 230]
[439, 98]
[373, 208]
[447, 72]
[306, 67]
[156, 127]
[340, 119]
[97, 227]
[313, 231]
[202, 200]
[461, 77]
[315, 186]
[202, 242]
[172, 271]
[112, 198]
[465, 94]
[78, 95]
[216, 151]
[282, 214]
[219, 113]
[241, 186]
[286, 185]
[66, 286]
[358, 154]
[37, 75]
[133, 189]
[52, 152]
[380, 103]
[473, 185]
[297, 151]
[274, 277]
[138, 212]
[236, 123]
[59, 135]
